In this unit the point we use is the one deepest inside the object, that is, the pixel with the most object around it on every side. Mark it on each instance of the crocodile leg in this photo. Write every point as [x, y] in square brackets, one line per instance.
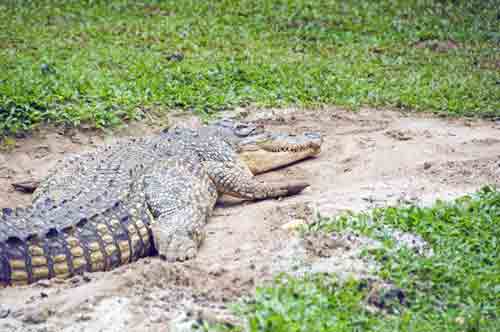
[181, 197]
[235, 179]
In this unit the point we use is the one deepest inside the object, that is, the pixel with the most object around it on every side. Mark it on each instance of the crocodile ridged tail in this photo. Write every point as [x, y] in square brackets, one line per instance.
[100, 243]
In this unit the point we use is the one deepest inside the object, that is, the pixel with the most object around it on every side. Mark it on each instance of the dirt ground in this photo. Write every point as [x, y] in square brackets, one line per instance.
[369, 158]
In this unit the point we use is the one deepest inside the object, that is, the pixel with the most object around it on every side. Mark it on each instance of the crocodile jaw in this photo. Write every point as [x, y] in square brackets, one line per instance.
[278, 150]
[261, 161]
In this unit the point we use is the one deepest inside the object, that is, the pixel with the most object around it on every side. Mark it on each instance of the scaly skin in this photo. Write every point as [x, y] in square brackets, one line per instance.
[141, 197]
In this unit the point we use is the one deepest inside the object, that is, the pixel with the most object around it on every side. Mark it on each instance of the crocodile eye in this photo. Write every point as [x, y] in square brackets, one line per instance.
[225, 123]
[241, 126]
[243, 129]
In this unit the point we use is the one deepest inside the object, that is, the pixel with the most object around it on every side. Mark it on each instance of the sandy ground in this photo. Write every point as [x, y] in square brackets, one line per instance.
[370, 158]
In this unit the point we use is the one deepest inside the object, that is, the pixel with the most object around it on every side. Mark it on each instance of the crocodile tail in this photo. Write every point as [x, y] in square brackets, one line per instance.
[99, 243]
[13, 255]
[4, 268]
[4, 262]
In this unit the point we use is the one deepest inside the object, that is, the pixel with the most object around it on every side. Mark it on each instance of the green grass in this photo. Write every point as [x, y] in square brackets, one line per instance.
[103, 62]
[455, 289]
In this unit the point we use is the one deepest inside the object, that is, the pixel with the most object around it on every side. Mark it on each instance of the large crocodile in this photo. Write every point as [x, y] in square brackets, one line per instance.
[141, 197]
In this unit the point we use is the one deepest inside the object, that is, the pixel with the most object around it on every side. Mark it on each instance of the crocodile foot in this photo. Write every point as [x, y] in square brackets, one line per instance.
[174, 245]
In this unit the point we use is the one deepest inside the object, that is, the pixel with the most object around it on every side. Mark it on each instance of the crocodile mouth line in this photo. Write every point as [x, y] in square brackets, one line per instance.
[276, 147]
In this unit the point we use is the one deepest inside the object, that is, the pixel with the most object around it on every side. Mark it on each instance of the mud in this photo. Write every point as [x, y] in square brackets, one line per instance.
[370, 158]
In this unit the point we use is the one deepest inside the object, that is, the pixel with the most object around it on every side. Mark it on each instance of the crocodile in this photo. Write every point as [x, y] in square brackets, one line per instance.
[141, 197]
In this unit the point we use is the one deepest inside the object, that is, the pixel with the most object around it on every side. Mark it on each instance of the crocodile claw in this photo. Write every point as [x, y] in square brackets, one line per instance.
[294, 188]
[174, 245]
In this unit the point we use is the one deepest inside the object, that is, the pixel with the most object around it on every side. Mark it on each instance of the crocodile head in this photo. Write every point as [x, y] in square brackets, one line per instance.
[262, 150]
